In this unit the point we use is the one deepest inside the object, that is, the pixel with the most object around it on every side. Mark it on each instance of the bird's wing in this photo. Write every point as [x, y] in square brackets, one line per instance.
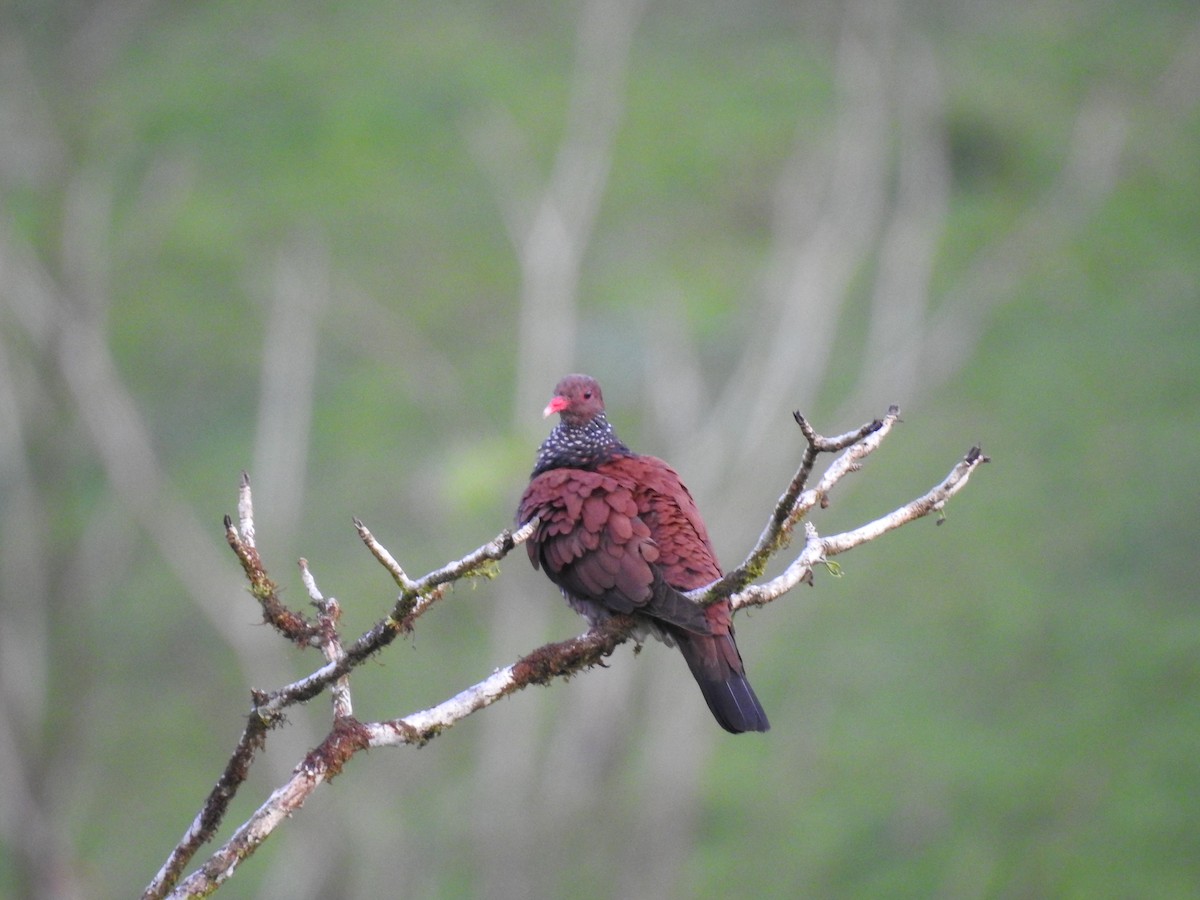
[592, 543]
[686, 554]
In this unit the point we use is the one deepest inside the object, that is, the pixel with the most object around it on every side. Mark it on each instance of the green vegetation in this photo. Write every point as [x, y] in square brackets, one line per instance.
[1003, 706]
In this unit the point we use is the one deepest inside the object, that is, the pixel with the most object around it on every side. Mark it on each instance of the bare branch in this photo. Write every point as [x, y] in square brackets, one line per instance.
[933, 501]
[349, 736]
[542, 666]
[793, 504]
[415, 600]
[245, 511]
[386, 559]
[291, 624]
[476, 562]
[320, 765]
[817, 549]
[328, 613]
[204, 826]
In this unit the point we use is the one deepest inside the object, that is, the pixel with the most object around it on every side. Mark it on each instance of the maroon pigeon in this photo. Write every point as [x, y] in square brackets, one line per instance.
[620, 534]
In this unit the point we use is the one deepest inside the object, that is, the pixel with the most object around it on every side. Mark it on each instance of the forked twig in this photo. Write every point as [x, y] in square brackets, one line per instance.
[543, 665]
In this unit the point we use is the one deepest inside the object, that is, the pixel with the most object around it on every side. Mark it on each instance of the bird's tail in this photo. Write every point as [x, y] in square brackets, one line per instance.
[717, 667]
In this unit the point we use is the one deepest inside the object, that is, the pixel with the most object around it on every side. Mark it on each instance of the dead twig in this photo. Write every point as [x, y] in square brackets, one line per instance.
[541, 666]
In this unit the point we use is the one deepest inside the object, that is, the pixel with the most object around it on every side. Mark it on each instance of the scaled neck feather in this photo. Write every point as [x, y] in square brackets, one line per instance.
[579, 446]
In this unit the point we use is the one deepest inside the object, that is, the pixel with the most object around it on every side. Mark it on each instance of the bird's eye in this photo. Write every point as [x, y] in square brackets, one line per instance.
[587, 395]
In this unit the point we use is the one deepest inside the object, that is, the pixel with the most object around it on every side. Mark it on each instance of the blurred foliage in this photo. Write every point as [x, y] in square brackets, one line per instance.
[1002, 706]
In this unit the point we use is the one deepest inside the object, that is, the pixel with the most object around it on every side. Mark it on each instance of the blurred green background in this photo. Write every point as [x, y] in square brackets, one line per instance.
[350, 248]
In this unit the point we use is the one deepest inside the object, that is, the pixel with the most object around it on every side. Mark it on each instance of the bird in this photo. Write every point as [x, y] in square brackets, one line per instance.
[619, 534]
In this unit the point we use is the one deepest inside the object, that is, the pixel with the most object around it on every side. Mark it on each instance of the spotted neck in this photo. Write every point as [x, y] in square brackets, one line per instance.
[579, 446]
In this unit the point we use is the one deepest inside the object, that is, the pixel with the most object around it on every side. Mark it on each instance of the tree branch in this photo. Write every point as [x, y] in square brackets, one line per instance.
[794, 504]
[817, 549]
[541, 666]
[205, 825]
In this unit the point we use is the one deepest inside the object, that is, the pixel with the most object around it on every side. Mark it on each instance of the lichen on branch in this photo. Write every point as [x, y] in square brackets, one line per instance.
[542, 666]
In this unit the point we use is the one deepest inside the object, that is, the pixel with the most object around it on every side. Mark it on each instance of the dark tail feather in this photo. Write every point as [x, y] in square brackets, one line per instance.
[717, 667]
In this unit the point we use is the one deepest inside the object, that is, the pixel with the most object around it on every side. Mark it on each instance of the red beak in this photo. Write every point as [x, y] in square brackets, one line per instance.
[557, 405]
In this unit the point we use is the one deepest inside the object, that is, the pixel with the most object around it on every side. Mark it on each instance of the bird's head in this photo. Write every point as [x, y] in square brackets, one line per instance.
[577, 400]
